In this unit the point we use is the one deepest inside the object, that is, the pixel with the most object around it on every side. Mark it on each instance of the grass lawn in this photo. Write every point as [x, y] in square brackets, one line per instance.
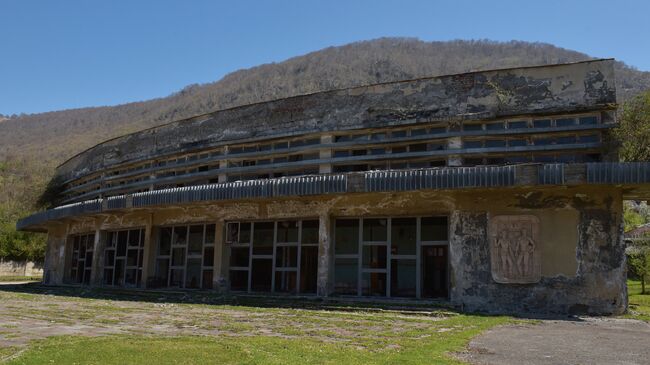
[94, 326]
[20, 278]
[639, 304]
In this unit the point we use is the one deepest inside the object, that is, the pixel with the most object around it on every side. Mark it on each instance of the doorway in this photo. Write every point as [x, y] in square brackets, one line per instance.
[434, 260]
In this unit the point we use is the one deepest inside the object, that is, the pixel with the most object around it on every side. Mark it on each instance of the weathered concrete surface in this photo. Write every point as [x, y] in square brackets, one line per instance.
[562, 88]
[598, 286]
[20, 268]
[582, 250]
[583, 341]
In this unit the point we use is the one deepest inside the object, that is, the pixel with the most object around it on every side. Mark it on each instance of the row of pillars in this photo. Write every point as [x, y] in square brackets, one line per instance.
[221, 255]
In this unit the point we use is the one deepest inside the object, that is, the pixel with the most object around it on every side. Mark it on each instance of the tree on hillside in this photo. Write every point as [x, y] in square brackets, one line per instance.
[639, 261]
[634, 128]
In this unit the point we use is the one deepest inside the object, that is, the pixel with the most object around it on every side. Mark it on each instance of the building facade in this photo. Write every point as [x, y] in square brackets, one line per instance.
[496, 191]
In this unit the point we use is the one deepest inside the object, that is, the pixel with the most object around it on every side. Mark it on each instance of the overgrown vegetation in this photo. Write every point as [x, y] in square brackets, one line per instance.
[21, 181]
[33, 144]
[92, 326]
[634, 128]
[639, 303]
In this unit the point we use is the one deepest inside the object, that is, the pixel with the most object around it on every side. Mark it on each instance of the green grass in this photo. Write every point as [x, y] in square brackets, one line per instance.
[20, 278]
[430, 347]
[166, 328]
[639, 304]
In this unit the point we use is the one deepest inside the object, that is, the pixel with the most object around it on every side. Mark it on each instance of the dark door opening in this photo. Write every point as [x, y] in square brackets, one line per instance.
[434, 272]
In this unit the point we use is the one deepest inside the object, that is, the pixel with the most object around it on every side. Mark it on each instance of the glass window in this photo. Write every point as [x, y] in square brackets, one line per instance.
[566, 140]
[588, 120]
[518, 124]
[565, 122]
[542, 141]
[495, 143]
[287, 231]
[419, 147]
[517, 142]
[374, 257]
[589, 138]
[433, 229]
[263, 238]
[347, 236]
[473, 144]
[403, 236]
[375, 229]
[402, 278]
[373, 284]
[542, 123]
[309, 231]
[437, 130]
[494, 126]
[472, 127]
[418, 132]
[345, 276]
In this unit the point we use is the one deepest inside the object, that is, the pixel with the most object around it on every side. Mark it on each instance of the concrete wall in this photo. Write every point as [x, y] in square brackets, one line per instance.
[581, 242]
[483, 95]
[20, 268]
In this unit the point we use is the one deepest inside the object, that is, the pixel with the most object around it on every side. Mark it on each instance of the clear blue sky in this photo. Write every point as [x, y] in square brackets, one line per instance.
[68, 54]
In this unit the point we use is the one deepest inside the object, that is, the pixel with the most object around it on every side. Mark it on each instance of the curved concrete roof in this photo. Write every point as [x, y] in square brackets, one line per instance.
[560, 88]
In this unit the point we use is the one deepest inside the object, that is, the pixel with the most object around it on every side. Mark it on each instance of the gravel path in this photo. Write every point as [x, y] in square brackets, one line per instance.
[580, 341]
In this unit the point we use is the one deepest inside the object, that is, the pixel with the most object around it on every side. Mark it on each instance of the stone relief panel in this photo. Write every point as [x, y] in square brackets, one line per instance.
[515, 250]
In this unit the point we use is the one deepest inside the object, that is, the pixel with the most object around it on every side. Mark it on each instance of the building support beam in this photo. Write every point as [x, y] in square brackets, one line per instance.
[97, 268]
[324, 255]
[148, 256]
[219, 282]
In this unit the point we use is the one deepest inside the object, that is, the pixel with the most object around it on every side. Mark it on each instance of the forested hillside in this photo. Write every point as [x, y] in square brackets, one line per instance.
[34, 144]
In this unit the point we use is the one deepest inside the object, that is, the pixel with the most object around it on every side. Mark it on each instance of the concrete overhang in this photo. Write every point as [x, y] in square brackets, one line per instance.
[632, 179]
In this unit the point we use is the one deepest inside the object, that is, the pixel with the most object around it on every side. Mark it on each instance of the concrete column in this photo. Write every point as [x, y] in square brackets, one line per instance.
[324, 255]
[57, 258]
[454, 143]
[97, 269]
[149, 253]
[219, 281]
[222, 176]
[325, 154]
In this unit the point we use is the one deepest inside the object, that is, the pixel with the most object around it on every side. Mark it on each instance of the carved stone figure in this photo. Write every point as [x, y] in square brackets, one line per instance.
[514, 249]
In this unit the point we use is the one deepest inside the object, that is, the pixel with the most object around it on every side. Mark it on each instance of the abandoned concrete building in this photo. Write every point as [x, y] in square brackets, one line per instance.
[495, 190]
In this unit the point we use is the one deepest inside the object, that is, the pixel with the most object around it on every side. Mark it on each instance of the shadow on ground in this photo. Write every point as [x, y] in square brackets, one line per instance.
[416, 307]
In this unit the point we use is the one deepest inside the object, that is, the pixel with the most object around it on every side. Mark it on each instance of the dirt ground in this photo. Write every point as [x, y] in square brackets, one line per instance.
[576, 341]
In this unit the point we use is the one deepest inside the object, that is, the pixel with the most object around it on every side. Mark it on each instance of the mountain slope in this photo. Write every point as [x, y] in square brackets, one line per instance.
[54, 136]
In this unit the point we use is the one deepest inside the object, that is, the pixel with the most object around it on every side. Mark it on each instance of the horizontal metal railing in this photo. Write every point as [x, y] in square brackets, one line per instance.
[440, 178]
